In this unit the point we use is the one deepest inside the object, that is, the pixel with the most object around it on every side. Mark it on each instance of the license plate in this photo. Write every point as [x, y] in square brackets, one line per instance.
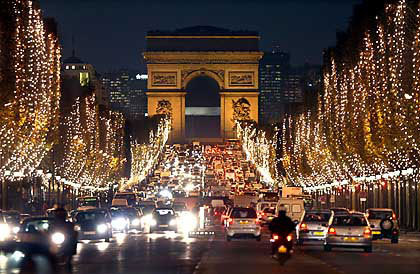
[163, 225]
[282, 249]
[243, 222]
[350, 239]
[376, 232]
[90, 233]
[319, 233]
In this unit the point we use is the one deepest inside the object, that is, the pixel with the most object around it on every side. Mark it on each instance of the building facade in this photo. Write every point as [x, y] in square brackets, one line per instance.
[127, 92]
[280, 86]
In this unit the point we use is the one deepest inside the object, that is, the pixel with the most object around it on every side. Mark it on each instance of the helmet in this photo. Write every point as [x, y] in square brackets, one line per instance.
[59, 213]
[282, 210]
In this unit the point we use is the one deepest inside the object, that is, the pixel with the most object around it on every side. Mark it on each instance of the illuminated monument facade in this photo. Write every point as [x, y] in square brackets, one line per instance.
[230, 58]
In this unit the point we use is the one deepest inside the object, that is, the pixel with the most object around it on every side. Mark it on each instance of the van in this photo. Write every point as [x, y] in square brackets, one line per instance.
[294, 208]
[119, 203]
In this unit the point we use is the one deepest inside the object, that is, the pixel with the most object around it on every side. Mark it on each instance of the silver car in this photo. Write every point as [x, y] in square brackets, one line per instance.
[384, 224]
[349, 230]
[313, 226]
[243, 222]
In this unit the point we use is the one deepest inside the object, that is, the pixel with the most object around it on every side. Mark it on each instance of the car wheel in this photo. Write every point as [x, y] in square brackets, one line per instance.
[327, 248]
[107, 240]
[228, 238]
[368, 249]
[394, 240]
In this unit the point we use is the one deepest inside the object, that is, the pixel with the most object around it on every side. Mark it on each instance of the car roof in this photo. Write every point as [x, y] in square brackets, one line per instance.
[318, 211]
[380, 209]
[29, 219]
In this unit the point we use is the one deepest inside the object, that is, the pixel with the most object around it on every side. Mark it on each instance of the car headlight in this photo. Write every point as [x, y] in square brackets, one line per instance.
[187, 221]
[4, 231]
[135, 222]
[15, 229]
[119, 223]
[102, 228]
[77, 228]
[172, 222]
[58, 238]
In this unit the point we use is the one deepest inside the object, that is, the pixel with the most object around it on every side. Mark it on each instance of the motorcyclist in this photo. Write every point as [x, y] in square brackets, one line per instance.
[281, 225]
[69, 247]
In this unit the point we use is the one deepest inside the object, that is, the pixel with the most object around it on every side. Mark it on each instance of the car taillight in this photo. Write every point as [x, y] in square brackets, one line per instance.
[289, 238]
[276, 237]
[367, 232]
[230, 221]
[332, 231]
[303, 226]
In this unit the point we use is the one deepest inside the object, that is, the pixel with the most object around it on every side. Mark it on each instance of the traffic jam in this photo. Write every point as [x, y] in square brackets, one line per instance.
[195, 191]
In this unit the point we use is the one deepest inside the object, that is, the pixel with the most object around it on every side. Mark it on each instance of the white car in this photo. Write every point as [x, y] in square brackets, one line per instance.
[243, 222]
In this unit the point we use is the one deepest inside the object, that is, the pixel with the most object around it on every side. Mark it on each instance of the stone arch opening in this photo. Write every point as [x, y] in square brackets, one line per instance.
[202, 107]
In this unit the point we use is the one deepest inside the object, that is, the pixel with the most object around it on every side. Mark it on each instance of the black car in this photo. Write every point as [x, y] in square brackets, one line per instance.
[93, 224]
[163, 219]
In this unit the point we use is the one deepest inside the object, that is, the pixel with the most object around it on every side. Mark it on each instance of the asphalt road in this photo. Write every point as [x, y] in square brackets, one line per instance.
[175, 253]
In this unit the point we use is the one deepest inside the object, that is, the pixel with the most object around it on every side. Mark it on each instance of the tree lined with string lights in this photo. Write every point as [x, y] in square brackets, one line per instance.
[367, 123]
[145, 155]
[29, 87]
[93, 153]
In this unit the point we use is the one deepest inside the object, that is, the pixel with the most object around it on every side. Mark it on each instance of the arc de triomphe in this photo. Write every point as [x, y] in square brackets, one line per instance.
[229, 57]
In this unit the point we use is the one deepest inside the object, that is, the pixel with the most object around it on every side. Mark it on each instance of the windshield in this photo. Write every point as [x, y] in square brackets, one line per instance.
[350, 221]
[12, 218]
[90, 216]
[269, 210]
[37, 225]
[88, 202]
[244, 213]
[316, 217]
[380, 215]
[181, 207]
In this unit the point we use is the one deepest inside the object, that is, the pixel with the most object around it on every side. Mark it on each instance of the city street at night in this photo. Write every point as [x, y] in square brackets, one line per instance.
[209, 137]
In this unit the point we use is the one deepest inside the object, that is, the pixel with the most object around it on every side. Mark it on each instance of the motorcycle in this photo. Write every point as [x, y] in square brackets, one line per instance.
[282, 246]
[63, 246]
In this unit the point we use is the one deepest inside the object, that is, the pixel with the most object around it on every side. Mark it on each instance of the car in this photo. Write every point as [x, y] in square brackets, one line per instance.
[384, 224]
[243, 222]
[340, 210]
[12, 218]
[163, 219]
[134, 217]
[313, 226]
[350, 230]
[179, 208]
[93, 224]
[267, 214]
[119, 220]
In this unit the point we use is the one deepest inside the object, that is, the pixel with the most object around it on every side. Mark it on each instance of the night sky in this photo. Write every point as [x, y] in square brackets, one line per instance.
[109, 34]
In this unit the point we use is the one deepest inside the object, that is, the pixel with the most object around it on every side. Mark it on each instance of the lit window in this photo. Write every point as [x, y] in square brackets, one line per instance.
[73, 67]
[67, 67]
